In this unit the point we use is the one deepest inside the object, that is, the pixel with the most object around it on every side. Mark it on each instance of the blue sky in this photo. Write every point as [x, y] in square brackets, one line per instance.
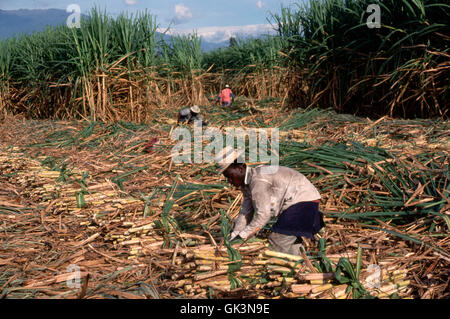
[214, 20]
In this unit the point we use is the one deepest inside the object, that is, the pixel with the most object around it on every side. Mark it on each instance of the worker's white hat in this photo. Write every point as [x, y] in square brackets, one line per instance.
[226, 157]
[227, 86]
[195, 109]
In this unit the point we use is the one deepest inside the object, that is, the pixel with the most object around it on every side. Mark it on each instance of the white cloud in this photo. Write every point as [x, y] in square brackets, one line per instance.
[220, 34]
[182, 13]
[130, 2]
[259, 4]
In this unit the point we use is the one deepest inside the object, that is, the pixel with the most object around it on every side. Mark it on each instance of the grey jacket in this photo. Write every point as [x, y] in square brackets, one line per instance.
[267, 194]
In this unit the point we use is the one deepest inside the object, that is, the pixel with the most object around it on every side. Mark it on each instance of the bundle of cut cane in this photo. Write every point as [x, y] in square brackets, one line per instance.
[207, 267]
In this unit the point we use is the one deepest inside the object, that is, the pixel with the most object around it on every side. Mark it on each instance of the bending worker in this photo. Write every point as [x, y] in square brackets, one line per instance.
[190, 114]
[281, 192]
[226, 97]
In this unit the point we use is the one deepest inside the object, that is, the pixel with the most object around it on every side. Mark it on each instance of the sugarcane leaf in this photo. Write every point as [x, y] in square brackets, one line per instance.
[358, 262]
[409, 238]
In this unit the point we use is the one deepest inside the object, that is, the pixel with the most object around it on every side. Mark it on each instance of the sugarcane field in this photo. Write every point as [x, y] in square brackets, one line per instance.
[308, 164]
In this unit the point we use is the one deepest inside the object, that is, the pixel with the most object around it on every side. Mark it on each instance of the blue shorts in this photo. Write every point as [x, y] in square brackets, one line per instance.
[301, 219]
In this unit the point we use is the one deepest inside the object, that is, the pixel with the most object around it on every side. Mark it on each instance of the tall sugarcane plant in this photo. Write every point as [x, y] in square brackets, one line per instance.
[87, 70]
[400, 68]
[5, 66]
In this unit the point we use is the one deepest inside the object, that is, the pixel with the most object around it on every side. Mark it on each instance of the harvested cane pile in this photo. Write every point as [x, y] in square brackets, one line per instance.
[268, 274]
[107, 198]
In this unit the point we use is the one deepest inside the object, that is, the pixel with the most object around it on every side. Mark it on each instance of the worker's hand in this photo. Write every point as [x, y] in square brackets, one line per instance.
[233, 235]
[235, 238]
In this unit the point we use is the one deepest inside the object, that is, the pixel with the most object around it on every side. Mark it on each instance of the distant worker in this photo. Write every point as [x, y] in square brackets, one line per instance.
[191, 114]
[226, 97]
[272, 192]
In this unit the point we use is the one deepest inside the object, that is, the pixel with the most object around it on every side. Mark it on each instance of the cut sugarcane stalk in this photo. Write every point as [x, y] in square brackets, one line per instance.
[272, 253]
[315, 276]
[279, 269]
[301, 289]
[339, 291]
[321, 288]
[318, 282]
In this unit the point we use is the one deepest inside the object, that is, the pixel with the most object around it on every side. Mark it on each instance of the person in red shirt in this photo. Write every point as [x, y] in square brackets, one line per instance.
[226, 97]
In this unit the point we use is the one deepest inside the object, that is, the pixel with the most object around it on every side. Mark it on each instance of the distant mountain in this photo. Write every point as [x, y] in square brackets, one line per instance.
[16, 22]
[205, 45]
[211, 46]
[218, 34]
